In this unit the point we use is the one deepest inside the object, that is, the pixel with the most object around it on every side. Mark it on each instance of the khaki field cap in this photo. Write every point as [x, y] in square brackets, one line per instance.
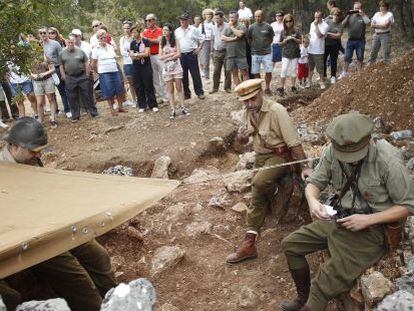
[249, 88]
[350, 135]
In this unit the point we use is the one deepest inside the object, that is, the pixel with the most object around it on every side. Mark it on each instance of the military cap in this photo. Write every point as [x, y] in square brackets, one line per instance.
[350, 135]
[249, 88]
[185, 16]
[28, 133]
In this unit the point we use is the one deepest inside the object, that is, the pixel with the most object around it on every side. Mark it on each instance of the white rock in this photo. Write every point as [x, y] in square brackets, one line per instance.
[239, 207]
[220, 199]
[197, 208]
[160, 169]
[57, 304]
[202, 175]
[137, 295]
[247, 298]
[175, 211]
[166, 257]
[169, 307]
[375, 287]
[398, 301]
[238, 181]
[246, 161]
[236, 116]
[197, 228]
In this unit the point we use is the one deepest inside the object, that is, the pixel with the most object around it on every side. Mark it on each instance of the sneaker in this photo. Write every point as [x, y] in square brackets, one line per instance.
[202, 96]
[3, 125]
[187, 97]
[36, 116]
[228, 91]
[53, 124]
[141, 110]
[307, 84]
[47, 109]
[294, 90]
[185, 111]
[322, 85]
[172, 114]
[280, 91]
[343, 75]
[333, 80]
[74, 120]
[68, 115]
[128, 103]
[155, 109]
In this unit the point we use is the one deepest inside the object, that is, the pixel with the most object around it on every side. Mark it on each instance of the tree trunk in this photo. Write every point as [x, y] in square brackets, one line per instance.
[410, 15]
[400, 6]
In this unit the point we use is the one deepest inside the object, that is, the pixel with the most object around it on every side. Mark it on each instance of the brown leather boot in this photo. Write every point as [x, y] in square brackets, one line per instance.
[301, 277]
[246, 250]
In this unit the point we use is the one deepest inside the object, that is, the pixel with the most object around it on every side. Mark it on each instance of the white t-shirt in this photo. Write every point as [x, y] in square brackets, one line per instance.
[125, 46]
[189, 38]
[303, 59]
[106, 58]
[87, 48]
[94, 41]
[379, 19]
[245, 13]
[208, 29]
[316, 44]
[277, 29]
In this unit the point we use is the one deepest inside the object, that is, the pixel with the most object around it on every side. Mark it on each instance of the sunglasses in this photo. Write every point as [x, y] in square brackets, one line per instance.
[42, 32]
[94, 26]
[148, 20]
[52, 32]
[279, 15]
[289, 21]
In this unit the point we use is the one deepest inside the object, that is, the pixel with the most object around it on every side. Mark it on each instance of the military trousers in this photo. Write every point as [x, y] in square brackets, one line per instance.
[81, 276]
[351, 253]
[264, 185]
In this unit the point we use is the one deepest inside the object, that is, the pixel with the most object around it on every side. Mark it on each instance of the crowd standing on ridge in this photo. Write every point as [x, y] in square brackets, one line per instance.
[157, 59]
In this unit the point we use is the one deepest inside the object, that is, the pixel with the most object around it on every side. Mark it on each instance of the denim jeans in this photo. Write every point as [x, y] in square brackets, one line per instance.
[62, 91]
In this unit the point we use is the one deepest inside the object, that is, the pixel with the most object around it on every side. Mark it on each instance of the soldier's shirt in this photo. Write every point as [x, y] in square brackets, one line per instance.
[274, 128]
[5, 156]
[384, 181]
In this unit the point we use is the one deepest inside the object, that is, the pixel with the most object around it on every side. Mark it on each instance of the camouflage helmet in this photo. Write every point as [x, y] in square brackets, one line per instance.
[350, 135]
[28, 133]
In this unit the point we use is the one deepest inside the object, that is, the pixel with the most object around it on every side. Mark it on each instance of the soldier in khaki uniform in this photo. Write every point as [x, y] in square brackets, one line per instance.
[381, 192]
[81, 276]
[275, 141]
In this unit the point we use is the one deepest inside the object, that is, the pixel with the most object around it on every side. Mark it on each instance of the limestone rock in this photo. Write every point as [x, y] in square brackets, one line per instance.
[57, 304]
[398, 301]
[236, 117]
[119, 170]
[238, 181]
[375, 287]
[406, 282]
[239, 207]
[221, 199]
[175, 211]
[2, 305]
[166, 257]
[137, 295]
[217, 145]
[169, 307]
[197, 228]
[160, 169]
[246, 161]
[202, 175]
[135, 233]
[247, 298]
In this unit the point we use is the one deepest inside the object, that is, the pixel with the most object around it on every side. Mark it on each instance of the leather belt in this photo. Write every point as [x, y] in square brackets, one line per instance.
[188, 53]
[382, 33]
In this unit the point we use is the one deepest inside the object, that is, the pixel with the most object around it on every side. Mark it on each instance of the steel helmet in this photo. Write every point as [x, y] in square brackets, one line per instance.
[28, 133]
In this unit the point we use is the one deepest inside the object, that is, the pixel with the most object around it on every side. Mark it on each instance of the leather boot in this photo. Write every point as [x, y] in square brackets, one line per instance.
[301, 277]
[246, 250]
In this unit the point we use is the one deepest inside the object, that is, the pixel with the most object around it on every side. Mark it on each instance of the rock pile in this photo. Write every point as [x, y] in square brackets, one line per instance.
[119, 170]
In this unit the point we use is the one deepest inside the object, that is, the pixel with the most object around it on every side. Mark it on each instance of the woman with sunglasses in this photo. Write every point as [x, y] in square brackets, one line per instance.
[105, 64]
[54, 34]
[290, 39]
[124, 46]
[333, 42]
[172, 72]
[382, 22]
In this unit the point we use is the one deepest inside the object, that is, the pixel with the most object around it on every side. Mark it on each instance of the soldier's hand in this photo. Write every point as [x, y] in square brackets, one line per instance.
[317, 210]
[355, 222]
[306, 172]
[245, 133]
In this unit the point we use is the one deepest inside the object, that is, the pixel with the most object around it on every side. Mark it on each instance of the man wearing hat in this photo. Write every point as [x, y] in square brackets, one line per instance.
[275, 141]
[81, 276]
[191, 42]
[374, 190]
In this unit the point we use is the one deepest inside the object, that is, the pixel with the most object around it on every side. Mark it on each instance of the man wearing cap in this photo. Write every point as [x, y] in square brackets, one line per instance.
[81, 276]
[154, 35]
[374, 189]
[275, 141]
[191, 42]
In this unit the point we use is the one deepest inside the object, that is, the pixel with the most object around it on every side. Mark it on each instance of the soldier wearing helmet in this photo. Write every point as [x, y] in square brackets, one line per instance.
[81, 276]
[374, 194]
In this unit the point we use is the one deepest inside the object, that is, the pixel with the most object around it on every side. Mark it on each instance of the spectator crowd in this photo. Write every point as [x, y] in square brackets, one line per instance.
[156, 60]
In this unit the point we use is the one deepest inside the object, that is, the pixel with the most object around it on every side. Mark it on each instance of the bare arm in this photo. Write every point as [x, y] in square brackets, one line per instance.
[318, 31]
[87, 68]
[333, 35]
[62, 72]
[238, 33]
[94, 64]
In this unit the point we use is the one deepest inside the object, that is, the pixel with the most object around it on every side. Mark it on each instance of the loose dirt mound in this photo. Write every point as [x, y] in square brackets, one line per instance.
[378, 90]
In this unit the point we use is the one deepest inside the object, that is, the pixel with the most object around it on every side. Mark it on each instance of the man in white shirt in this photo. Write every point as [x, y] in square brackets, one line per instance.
[244, 12]
[381, 23]
[191, 42]
[316, 48]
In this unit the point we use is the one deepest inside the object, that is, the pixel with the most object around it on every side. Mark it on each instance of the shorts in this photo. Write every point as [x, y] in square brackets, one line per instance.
[171, 77]
[258, 60]
[17, 88]
[238, 62]
[44, 87]
[111, 84]
[276, 52]
[303, 71]
[128, 70]
[354, 45]
[289, 67]
[316, 60]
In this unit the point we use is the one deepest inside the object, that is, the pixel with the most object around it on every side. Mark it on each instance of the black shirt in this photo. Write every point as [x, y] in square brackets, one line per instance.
[139, 47]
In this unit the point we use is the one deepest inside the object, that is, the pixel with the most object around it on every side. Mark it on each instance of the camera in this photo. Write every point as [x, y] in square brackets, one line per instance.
[350, 12]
